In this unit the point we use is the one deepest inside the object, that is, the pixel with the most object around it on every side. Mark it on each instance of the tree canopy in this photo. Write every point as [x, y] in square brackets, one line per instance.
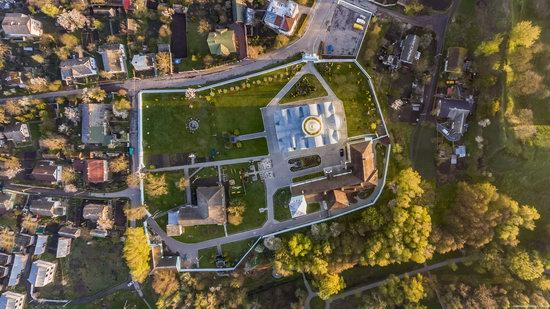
[136, 253]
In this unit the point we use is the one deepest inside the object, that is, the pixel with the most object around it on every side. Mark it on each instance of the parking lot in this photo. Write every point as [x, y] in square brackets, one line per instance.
[342, 38]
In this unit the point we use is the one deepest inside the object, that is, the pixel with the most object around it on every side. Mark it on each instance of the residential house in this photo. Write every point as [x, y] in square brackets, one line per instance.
[95, 212]
[409, 49]
[47, 171]
[456, 57]
[97, 171]
[41, 244]
[210, 208]
[47, 207]
[7, 201]
[297, 206]
[4, 271]
[17, 268]
[63, 247]
[452, 115]
[15, 79]
[69, 231]
[23, 241]
[144, 62]
[222, 42]
[99, 233]
[172, 262]
[95, 124]
[5, 259]
[281, 16]
[12, 300]
[114, 58]
[18, 133]
[42, 273]
[337, 199]
[21, 26]
[173, 228]
[77, 68]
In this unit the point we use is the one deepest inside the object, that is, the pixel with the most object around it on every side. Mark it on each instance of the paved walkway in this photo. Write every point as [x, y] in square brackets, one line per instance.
[208, 164]
[251, 136]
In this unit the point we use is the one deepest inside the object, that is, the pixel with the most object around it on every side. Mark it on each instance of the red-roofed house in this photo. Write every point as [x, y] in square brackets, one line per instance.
[97, 170]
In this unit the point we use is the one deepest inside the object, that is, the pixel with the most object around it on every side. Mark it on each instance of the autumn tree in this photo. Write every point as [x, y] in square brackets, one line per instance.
[12, 166]
[68, 40]
[490, 47]
[329, 285]
[50, 9]
[413, 7]
[119, 164]
[122, 104]
[204, 26]
[53, 142]
[136, 253]
[281, 41]
[400, 292]
[133, 180]
[235, 211]
[4, 50]
[524, 33]
[525, 265]
[68, 175]
[13, 108]
[156, 186]
[183, 183]
[72, 20]
[164, 62]
[166, 285]
[527, 83]
[135, 213]
[95, 94]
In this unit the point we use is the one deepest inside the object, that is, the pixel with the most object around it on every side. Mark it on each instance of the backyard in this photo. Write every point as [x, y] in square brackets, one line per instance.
[175, 196]
[173, 124]
[234, 251]
[361, 113]
[308, 87]
[198, 233]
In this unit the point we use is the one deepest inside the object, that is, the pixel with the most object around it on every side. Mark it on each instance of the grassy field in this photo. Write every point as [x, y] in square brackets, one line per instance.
[198, 233]
[308, 176]
[175, 196]
[292, 96]
[197, 48]
[317, 303]
[281, 198]
[234, 251]
[254, 199]
[361, 113]
[207, 257]
[88, 269]
[225, 109]
[121, 299]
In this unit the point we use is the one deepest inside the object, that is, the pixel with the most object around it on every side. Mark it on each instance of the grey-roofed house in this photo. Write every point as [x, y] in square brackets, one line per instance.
[47, 207]
[69, 231]
[452, 114]
[144, 62]
[17, 268]
[63, 247]
[210, 208]
[42, 273]
[17, 133]
[14, 79]
[21, 26]
[172, 262]
[41, 244]
[95, 124]
[12, 300]
[4, 271]
[47, 171]
[73, 69]
[94, 212]
[456, 57]
[409, 49]
[5, 259]
[23, 240]
[114, 58]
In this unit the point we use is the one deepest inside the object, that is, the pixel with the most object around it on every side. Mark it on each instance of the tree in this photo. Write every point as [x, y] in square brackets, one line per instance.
[414, 7]
[235, 211]
[68, 175]
[94, 94]
[12, 166]
[50, 9]
[299, 244]
[204, 26]
[122, 104]
[133, 180]
[490, 47]
[155, 186]
[135, 213]
[524, 33]
[408, 187]
[255, 51]
[37, 84]
[165, 282]
[398, 292]
[526, 266]
[527, 83]
[183, 183]
[13, 108]
[68, 40]
[53, 142]
[72, 20]
[330, 284]
[136, 253]
[164, 62]
[105, 223]
[4, 50]
[119, 164]
[281, 41]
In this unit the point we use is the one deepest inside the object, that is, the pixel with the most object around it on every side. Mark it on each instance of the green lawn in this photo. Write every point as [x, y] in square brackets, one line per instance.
[88, 269]
[281, 198]
[198, 233]
[197, 48]
[318, 91]
[313, 207]
[175, 196]
[207, 257]
[225, 109]
[317, 303]
[234, 251]
[351, 86]
[121, 299]
[308, 176]
[254, 199]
